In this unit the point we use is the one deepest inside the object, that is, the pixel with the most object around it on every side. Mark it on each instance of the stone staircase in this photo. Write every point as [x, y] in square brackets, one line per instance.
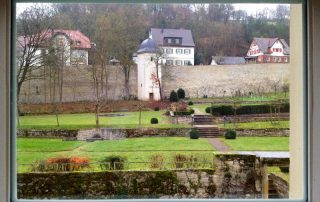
[204, 124]
[272, 190]
[202, 120]
[208, 131]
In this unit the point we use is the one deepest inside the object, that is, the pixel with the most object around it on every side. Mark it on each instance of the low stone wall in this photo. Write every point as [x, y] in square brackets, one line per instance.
[281, 186]
[105, 133]
[235, 176]
[54, 133]
[260, 132]
[113, 134]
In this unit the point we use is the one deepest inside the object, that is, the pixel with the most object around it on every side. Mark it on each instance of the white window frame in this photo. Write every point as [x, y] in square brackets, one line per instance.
[179, 51]
[169, 50]
[187, 51]
[312, 120]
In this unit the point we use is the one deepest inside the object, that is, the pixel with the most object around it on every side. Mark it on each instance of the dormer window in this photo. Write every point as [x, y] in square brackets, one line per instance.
[173, 40]
[169, 41]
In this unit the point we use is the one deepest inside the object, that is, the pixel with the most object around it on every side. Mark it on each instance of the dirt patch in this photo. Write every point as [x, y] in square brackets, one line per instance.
[89, 107]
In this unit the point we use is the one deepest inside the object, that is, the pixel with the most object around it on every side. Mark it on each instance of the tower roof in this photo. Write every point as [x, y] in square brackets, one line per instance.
[148, 46]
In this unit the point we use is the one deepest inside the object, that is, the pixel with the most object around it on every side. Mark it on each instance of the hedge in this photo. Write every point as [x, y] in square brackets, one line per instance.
[225, 110]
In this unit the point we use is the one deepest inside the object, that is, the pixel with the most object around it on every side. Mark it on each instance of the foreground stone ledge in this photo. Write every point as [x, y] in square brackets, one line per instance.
[234, 176]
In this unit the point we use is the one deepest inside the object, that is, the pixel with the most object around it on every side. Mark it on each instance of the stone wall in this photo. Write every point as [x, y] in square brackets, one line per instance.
[197, 81]
[271, 132]
[234, 176]
[105, 133]
[220, 80]
[281, 186]
[53, 133]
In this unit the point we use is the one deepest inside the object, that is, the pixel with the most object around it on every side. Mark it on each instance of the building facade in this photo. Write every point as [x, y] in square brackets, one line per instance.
[177, 45]
[268, 50]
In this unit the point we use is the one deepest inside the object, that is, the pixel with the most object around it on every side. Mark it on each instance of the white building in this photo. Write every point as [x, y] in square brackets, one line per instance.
[165, 47]
[176, 44]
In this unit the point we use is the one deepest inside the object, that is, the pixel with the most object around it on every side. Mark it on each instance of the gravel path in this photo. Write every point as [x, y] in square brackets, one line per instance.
[219, 145]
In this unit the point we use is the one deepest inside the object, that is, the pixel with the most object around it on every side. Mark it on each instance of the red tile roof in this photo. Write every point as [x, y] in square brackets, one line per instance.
[78, 39]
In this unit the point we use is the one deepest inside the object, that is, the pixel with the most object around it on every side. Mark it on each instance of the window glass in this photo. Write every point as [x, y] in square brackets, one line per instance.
[136, 129]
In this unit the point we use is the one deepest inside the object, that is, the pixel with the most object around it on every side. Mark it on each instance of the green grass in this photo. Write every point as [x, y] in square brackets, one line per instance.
[258, 143]
[84, 121]
[257, 98]
[257, 125]
[134, 149]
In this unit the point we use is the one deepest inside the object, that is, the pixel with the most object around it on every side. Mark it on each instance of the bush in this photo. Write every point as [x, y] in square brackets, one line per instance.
[61, 164]
[190, 103]
[156, 109]
[194, 134]
[173, 96]
[181, 93]
[180, 160]
[205, 96]
[230, 134]
[113, 163]
[157, 161]
[154, 121]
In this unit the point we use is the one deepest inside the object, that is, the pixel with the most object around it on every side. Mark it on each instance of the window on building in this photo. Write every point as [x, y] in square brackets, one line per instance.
[169, 51]
[187, 62]
[169, 62]
[169, 40]
[178, 62]
[187, 51]
[179, 51]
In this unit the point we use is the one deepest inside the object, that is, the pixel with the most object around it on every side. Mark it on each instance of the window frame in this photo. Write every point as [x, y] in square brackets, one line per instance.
[5, 101]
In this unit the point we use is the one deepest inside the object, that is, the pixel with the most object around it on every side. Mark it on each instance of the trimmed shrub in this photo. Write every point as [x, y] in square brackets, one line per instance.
[181, 93]
[230, 134]
[190, 103]
[226, 110]
[194, 134]
[157, 161]
[113, 163]
[173, 96]
[156, 109]
[154, 121]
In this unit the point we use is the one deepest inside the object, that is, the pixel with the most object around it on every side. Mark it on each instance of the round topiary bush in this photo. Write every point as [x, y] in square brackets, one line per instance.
[190, 103]
[194, 134]
[181, 93]
[154, 121]
[156, 109]
[173, 96]
[230, 134]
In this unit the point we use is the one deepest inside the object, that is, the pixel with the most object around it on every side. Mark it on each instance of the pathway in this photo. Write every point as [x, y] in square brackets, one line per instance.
[218, 145]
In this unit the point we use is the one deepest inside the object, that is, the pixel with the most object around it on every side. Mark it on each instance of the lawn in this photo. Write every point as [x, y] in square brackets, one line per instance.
[255, 98]
[258, 143]
[136, 150]
[257, 125]
[87, 120]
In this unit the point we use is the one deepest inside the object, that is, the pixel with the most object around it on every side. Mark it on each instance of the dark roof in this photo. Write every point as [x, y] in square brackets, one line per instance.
[265, 43]
[148, 45]
[229, 60]
[159, 34]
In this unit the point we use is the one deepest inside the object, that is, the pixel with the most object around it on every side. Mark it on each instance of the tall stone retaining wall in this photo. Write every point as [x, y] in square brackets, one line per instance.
[226, 80]
[53, 133]
[235, 176]
[197, 81]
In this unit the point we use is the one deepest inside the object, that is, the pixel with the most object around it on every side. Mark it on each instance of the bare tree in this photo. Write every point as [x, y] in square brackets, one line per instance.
[33, 27]
[161, 71]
